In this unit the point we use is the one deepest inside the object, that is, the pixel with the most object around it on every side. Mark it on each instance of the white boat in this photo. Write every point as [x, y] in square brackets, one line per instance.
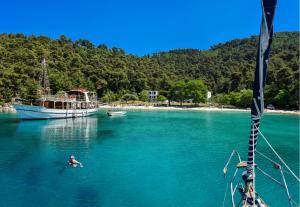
[74, 103]
[116, 113]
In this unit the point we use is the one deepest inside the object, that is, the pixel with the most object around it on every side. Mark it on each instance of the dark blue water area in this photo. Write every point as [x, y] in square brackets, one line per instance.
[153, 158]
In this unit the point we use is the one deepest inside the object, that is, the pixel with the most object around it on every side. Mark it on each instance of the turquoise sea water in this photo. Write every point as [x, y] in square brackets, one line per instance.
[142, 159]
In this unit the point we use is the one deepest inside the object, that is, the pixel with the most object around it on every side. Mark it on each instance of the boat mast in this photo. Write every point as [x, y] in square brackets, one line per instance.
[257, 106]
[44, 80]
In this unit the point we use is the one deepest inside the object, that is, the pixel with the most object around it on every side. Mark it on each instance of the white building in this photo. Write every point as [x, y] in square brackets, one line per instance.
[153, 96]
[208, 95]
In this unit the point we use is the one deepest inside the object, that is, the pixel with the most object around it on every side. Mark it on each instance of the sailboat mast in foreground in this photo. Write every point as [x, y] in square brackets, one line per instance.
[247, 190]
[257, 106]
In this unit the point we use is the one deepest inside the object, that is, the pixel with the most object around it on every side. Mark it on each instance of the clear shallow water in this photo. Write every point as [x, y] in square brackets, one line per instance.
[143, 159]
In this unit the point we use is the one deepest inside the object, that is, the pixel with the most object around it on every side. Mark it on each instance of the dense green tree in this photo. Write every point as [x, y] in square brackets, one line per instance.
[178, 91]
[144, 95]
[221, 98]
[281, 99]
[32, 92]
[129, 97]
[109, 97]
[196, 90]
[245, 98]
[242, 98]
[235, 98]
[161, 98]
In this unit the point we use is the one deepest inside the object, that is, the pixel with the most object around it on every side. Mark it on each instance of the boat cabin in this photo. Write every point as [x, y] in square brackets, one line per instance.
[74, 99]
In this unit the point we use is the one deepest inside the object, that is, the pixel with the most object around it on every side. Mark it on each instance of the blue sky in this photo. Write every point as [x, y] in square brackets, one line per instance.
[142, 27]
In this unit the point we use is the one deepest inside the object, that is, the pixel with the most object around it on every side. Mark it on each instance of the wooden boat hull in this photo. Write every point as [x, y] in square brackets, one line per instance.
[40, 112]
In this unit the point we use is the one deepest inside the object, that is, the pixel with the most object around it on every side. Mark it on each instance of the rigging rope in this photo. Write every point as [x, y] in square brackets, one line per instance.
[253, 167]
[225, 194]
[278, 156]
[272, 161]
[269, 176]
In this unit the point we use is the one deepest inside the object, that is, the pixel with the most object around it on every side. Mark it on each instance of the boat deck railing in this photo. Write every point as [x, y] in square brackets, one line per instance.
[59, 98]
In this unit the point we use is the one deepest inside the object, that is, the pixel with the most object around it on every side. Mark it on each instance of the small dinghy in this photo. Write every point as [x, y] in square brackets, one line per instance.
[116, 113]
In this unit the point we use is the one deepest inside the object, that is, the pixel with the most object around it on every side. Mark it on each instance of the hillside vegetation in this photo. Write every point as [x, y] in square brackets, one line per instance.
[225, 68]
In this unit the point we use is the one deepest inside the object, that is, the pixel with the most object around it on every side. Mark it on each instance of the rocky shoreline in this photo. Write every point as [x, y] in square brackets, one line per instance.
[7, 109]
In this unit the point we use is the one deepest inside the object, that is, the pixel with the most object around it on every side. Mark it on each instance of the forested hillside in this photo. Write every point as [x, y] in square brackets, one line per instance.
[230, 66]
[224, 68]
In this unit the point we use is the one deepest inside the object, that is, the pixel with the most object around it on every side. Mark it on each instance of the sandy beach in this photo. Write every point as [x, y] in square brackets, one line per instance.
[170, 108]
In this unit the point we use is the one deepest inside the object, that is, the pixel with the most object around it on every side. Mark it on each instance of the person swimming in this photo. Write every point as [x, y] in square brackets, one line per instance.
[74, 162]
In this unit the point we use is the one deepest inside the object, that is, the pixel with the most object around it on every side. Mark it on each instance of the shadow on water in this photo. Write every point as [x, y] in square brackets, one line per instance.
[61, 165]
[8, 116]
[103, 135]
[87, 196]
[32, 178]
[8, 125]
[13, 162]
[105, 132]
[9, 120]
[19, 142]
[60, 171]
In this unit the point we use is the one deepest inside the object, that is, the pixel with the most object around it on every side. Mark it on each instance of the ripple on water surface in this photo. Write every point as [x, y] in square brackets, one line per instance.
[142, 159]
